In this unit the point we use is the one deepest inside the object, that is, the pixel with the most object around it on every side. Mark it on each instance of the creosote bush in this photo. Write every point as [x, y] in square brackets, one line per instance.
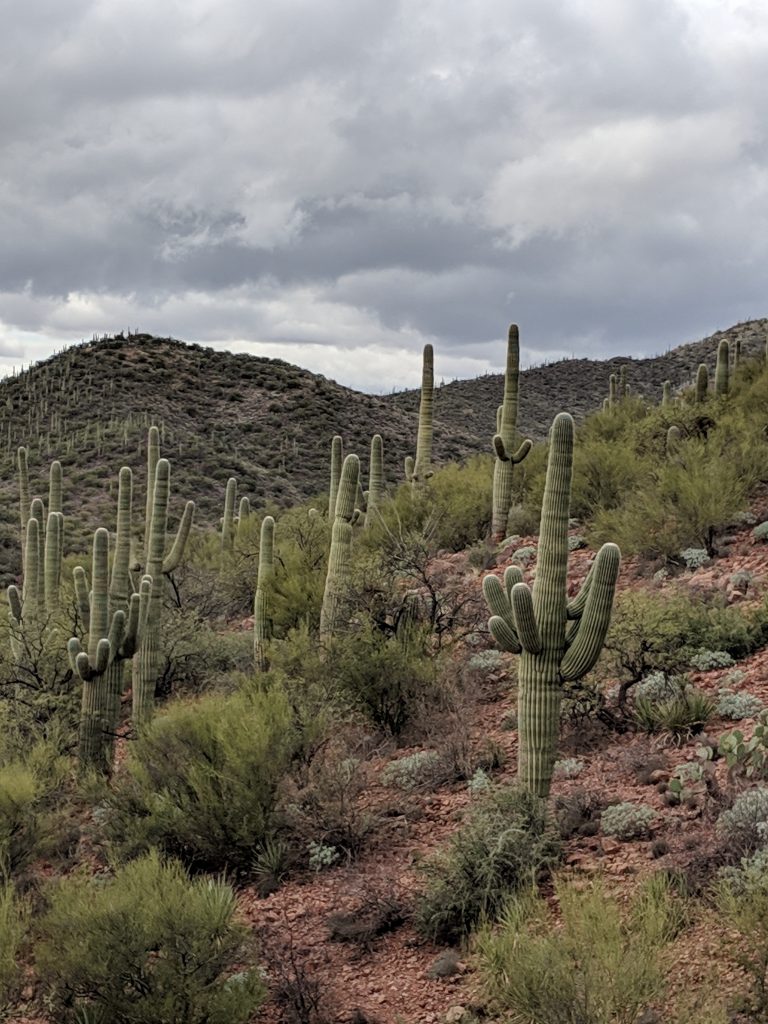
[147, 946]
[201, 781]
[533, 971]
[506, 843]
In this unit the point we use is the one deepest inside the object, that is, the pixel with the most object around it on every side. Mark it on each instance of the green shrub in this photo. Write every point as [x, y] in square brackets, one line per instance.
[603, 965]
[507, 841]
[705, 660]
[201, 781]
[745, 826]
[148, 946]
[627, 820]
[32, 801]
[683, 714]
[741, 895]
[425, 768]
[738, 705]
[13, 924]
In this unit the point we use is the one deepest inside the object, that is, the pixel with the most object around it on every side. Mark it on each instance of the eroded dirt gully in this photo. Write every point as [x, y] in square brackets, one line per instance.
[390, 979]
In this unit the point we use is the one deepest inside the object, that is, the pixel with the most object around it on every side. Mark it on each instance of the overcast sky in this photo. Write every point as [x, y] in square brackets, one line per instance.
[336, 182]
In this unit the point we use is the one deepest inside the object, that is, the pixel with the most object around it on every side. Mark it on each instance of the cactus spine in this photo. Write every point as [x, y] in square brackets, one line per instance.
[341, 546]
[147, 663]
[722, 370]
[261, 622]
[559, 641]
[702, 383]
[421, 469]
[504, 439]
[336, 458]
[375, 481]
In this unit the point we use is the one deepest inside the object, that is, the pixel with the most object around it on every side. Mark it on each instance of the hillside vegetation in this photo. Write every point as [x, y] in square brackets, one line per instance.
[280, 765]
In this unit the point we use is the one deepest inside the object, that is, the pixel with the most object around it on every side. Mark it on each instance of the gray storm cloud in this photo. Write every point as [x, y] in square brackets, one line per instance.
[339, 182]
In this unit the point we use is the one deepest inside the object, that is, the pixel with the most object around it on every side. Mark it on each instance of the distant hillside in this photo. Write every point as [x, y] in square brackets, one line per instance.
[263, 421]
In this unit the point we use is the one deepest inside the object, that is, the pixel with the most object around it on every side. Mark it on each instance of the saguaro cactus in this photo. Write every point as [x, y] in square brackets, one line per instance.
[558, 640]
[115, 622]
[341, 546]
[420, 470]
[722, 370]
[612, 390]
[666, 393]
[147, 663]
[375, 481]
[228, 522]
[336, 459]
[702, 382]
[261, 623]
[504, 439]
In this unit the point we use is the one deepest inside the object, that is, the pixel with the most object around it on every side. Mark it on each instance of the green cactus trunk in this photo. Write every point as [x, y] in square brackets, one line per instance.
[422, 466]
[558, 641]
[375, 481]
[262, 632]
[612, 390]
[722, 370]
[341, 547]
[22, 458]
[702, 383]
[228, 524]
[666, 393]
[336, 460]
[504, 439]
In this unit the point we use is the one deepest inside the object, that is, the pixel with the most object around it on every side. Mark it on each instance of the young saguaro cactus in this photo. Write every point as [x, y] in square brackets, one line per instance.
[375, 496]
[666, 393]
[261, 622]
[722, 370]
[147, 664]
[702, 383]
[504, 439]
[341, 546]
[420, 470]
[558, 640]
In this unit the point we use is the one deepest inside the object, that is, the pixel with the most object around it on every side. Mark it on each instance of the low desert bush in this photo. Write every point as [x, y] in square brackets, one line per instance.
[741, 895]
[147, 946]
[533, 971]
[13, 922]
[744, 827]
[201, 781]
[506, 843]
[627, 820]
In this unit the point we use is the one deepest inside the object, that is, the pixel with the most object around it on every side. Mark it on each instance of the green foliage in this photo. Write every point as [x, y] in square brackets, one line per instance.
[627, 820]
[745, 826]
[507, 841]
[682, 714]
[31, 802]
[738, 705]
[201, 781]
[741, 896]
[13, 926]
[535, 972]
[706, 660]
[148, 946]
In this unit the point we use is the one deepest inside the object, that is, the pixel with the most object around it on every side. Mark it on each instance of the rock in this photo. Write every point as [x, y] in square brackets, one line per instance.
[659, 775]
[447, 963]
[610, 845]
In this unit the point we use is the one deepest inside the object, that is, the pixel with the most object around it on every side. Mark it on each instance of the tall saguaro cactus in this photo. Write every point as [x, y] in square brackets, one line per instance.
[341, 546]
[504, 439]
[419, 470]
[722, 370]
[147, 663]
[228, 522]
[375, 481]
[261, 620]
[336, 459]
[558, 640]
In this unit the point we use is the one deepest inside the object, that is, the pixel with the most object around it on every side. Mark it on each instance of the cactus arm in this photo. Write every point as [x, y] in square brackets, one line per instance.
[575, 608]
[522, 609]
[422, 464]
[73, 650]
[176, 553]
[497, 599]
[337, 456]
[128, 648]
[504, 634]
[584, 651]
[153, 457]
[54, 488]
[82, 598]
[512, 574]
[14, 603]
[117, 631]
[121, 584]
[22, 460]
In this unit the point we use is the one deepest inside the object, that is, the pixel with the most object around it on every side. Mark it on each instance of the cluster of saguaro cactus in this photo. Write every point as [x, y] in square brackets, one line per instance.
[419, 470]
[504, 438]
[115, 618]
[558, 640]
[147, 663]
[262, 629]
[341, 545]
